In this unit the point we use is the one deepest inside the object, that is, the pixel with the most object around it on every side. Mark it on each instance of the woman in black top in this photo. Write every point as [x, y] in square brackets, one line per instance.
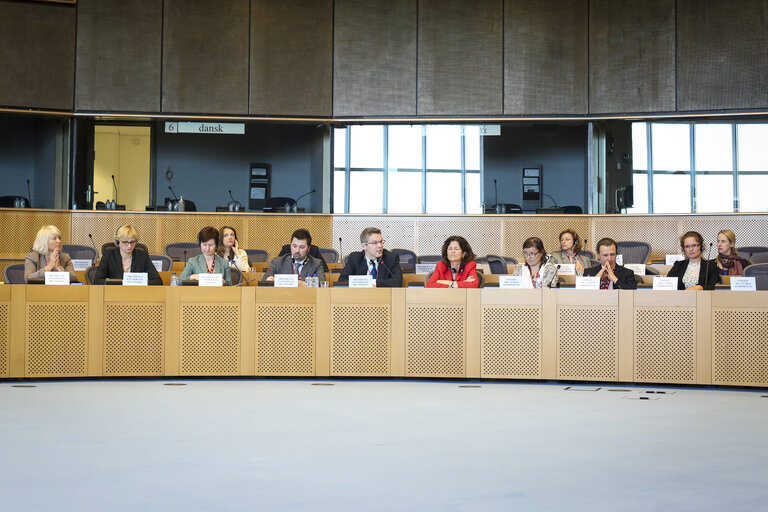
[125, 258]
[694, 272]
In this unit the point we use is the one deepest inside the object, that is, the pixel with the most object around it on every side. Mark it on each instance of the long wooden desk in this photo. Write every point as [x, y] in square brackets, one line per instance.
[603, 336]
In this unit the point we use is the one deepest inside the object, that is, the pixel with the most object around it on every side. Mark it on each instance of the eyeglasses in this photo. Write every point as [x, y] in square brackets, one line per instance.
[128, 242]
[531, 254]
[381, 242]
[692, 246]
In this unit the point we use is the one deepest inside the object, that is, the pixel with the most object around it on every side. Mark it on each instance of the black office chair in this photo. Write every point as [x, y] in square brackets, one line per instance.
[408, 260]
[182, 251]
[277, 204]
[497, 264]
[14, 274]
[573, 209]
[760, 272]
[111, 245]
[10, 201]
[257, 255]
[165, 262]
[90, 274]
[235, 276]
[80, 252]
[755, 254]
[329, 255]
[430, 258]
[634, 252]
[591, 255]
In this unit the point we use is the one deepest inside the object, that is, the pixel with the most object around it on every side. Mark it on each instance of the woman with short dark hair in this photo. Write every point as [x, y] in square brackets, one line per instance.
[208, 262]
[458, 268]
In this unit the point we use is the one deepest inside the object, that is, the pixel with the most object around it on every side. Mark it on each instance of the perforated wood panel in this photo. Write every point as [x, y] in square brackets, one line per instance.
[518, 229]
[587, 343]
[435, 341]
[483, 235]
[20, 228]
[511, 342]
[285, 344]
[206, 347]
[57, 340]
[661, 232]
[103, 226]
[4, 338]
[360, 340]
[271, 232]
[740, 347]
[665, 345]
[133, 339]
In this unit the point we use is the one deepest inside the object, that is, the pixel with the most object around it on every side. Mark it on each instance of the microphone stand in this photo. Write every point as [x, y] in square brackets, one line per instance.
[93, 244]
[29, 193]
[381, 261]
[341, 252]
[706, 275]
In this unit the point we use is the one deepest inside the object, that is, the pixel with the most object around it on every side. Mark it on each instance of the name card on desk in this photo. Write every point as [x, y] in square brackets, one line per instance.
[425, 268]
[158, 265]
[209, 279]
[743, 284]
[286, 280]
[620, 259]
[81, 264]
[567, 269]
[587, 283]
[637, 268]
[361, 281]
[664, 283]
[135, 279]
[57, 278]
[672, 258]
[514, 282]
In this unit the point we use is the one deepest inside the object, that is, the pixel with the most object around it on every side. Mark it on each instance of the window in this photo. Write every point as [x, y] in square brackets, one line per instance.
[407, 169]
[699, 167]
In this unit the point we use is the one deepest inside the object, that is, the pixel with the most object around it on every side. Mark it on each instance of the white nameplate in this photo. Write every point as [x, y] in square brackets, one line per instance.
[425, 268]
[135, 279]
[158, 265]
[620, 259]
[81, 264]
[286, 280]
[664, 283]
[215, 128]
[743, 284]
[361, 281]
[567, 269]
[57, 278]
[587, 283]
[209, 279]
[514, 282]
[672, 258]
[637, 268]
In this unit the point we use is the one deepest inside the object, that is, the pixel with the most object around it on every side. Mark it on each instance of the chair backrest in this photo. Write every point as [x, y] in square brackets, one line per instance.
[634, 252]
[651, 271]
[14, 274]
[572, 209]
[90, 274]
[760, 272]
[497, 264]
[591, 255]
[80, 252]
[755, 254]
[430, 258]
[329, 255]
[111, 245]
[278, 203]
[480, 279]
[182, 251]
[235, 275]
[167, 263]
[408, 259]
[257, 255]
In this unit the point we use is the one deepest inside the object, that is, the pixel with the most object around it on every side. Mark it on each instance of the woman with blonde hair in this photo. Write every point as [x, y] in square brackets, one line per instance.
[46, 256]
[125, 258]
[728, 260]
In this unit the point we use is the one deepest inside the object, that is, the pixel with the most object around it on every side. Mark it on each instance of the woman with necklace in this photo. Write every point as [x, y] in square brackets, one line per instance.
[536, 267]
[694, 272]
[458, 268]
[208, 262]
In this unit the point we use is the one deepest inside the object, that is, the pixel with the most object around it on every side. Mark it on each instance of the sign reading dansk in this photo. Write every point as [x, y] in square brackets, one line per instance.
[217, 128]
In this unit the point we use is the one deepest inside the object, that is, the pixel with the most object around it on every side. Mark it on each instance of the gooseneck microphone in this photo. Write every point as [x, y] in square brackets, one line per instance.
[29, 194]
[706, 275]
[172, 192]
[381, 262]
[496, 193]
[230, 196]
[341, 252]
[114, 185]
[93, 244]
[185, 255]
[305, 195]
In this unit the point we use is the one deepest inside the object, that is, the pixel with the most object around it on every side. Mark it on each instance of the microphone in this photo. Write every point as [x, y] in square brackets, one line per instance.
[341, 252]
[29, 193]
[706, 275]
[185, 256]
[93, 244]
[115, 187]
[496, 193]
[304, 195]
[172, 192]
[230, 196]
[381, 262]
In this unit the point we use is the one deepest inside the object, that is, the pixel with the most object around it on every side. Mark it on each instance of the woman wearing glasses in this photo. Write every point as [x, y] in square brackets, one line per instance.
[125, 258]
[694, 272]
[536, 268]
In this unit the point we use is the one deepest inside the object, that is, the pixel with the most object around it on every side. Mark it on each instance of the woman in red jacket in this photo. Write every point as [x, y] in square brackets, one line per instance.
[457, 270]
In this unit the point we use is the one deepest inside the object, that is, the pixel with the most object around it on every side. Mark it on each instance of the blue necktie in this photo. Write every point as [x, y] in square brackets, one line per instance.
[373, 270]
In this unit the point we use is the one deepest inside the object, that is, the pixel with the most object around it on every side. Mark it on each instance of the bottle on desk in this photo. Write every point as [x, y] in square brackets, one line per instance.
[174, 280]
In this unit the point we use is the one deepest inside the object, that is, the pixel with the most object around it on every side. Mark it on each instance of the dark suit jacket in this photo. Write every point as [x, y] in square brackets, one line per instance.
[358, 266]
[625, 277]
[313, 251]
[111, 266]
[679, 268]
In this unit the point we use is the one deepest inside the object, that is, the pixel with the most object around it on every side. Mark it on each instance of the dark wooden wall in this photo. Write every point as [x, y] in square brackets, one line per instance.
[341, 58]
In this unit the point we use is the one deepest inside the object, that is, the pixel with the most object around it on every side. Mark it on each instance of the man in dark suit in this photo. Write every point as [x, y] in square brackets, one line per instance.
[314, 251]
[612, 276]
[373, 260]
[298, 261]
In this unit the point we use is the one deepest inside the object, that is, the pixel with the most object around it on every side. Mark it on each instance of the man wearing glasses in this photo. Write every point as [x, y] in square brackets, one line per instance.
[373, 260]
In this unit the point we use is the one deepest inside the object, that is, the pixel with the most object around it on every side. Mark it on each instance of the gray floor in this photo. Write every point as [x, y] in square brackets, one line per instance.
[379, 445]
